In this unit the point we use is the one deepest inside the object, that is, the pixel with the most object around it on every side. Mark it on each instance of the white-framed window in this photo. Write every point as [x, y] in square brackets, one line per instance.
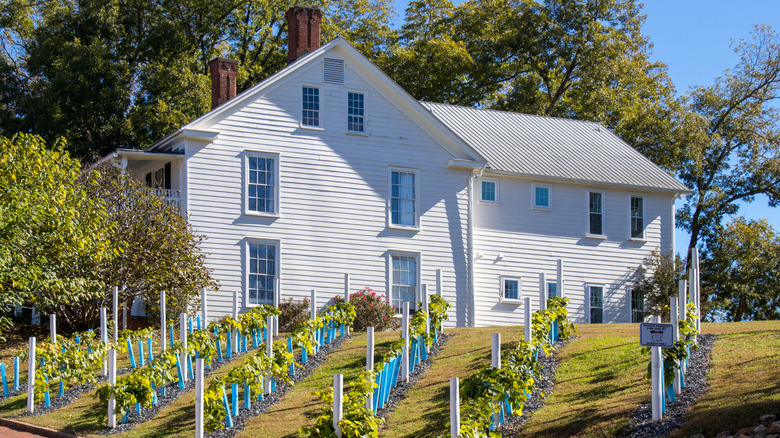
[404, 195]
[596, 213]
[262, 259]
[596, 304]
[552, 289]
[404, 275]
[637, 213]
[637, 305]
[356, 112]
[488, 190]
[310, 104]
[510, 289]
[262, 184]
[542, 197]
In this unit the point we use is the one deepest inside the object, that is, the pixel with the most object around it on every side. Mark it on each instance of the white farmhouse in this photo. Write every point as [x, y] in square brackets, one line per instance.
[329, 167]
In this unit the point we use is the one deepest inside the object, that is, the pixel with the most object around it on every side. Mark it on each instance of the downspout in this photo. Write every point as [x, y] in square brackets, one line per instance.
[470, 244]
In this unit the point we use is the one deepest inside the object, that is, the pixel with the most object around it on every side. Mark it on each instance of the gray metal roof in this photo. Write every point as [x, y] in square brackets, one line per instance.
[553, 148]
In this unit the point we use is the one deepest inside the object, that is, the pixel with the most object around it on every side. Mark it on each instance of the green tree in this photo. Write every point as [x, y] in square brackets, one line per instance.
[125, 74]
[51, 229]
[157, 248]
[657, 279]
[731, 138]
[742, 268]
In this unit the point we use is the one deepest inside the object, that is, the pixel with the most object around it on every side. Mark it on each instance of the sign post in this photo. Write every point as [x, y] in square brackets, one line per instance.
[656, 336]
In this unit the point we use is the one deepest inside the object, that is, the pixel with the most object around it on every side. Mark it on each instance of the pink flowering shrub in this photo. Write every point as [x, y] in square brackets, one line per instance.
[294, 313]
[372, 311]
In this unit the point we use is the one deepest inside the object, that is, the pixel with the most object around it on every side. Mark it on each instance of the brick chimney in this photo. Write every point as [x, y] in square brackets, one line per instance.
[223, 80]
[303, 30]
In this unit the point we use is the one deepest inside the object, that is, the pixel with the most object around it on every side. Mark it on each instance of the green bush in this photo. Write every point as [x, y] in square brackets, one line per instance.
[294, 314]
[372, 310]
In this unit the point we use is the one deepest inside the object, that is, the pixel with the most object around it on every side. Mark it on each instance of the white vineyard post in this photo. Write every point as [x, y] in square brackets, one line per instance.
[53, 329]
[235, 316]
[338, 392]
[438, 292]
[204, 308]
[527, 321]
[542, 291]
[656, 373]
[560, 278]
[346, 299]
[163, 327]
[115, 314]
[269, 351]
[277, 301]
[112, 381]
[496, 364]
[103, 338]
[199, 398]
[673, 318]
[31, 377]
[313, 315]
[681, 315]
[370, 362]
[454, 407]
[183, 337]
[405, 335]
[425, 307]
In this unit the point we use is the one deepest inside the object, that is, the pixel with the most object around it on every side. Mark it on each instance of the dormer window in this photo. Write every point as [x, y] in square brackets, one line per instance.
[311, 107]
[355, 112]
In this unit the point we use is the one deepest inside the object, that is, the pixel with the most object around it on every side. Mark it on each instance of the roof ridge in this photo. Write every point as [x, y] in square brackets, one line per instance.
[514, 113]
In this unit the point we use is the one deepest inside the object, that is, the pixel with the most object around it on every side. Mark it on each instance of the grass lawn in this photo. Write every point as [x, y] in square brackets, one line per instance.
[299, 407]
[744, 378]
[425, 410]
[599, 383]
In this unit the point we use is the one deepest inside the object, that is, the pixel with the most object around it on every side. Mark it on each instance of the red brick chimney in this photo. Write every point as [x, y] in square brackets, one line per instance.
[223, 80]
[303, 30]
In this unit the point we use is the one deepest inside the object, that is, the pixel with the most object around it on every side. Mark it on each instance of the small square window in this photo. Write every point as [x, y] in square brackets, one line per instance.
[489, 191]
[355, 112]
[542, 197]
[311, 106]
[510, 289]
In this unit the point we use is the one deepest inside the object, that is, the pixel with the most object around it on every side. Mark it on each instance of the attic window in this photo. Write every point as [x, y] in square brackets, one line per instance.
[334, 71]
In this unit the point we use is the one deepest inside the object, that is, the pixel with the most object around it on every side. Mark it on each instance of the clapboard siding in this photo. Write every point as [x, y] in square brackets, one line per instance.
[333, 191]
[532, 241]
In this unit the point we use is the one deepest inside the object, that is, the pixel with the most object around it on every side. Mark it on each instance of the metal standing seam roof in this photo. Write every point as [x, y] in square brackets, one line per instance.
[553, 148]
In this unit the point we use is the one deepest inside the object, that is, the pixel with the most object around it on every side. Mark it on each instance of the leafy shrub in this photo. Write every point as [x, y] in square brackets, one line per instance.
[294, 314]
[371, 310]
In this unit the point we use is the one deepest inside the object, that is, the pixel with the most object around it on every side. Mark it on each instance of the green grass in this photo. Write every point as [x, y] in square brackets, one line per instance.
[424, 412]
[744, 379]
[599, 383]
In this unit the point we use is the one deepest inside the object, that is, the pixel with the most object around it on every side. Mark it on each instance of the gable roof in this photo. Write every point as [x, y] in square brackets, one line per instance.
[553, 148]
[390, 90]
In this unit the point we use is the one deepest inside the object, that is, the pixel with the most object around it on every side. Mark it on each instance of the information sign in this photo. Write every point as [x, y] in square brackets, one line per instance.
[655, 335]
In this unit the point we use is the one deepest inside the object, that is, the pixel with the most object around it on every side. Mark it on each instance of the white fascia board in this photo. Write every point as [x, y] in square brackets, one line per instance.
[458, 163]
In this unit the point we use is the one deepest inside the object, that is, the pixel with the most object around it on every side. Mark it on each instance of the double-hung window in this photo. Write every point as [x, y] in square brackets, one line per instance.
[262, 184]
[489, 191]
[637, 305]
[595, 213]
[637, 218]
[356, 112]
[596, 304]
[310, 100]
[542, 197]
[404, 280]
[510, 289]
[403, 198]
[262, 272]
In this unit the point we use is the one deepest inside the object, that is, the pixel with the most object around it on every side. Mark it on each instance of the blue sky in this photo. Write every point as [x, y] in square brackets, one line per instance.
[693, 38]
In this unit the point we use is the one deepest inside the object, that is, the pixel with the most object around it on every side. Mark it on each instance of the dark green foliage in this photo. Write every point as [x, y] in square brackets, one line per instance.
[657, 278]
[294, 314]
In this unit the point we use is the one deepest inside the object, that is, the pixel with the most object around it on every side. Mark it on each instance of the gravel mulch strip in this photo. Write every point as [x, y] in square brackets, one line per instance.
[258, 407]
[641, 422]
[399, 392]
[543, 387]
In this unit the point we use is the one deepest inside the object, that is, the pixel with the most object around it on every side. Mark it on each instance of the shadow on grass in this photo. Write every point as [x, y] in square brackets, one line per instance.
[729, 418]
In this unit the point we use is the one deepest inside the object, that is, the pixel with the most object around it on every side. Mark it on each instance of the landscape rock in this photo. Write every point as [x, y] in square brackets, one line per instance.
[724, 434]
[774, 428]
[768, 419]
[760, 429]
[698, 435]
[748, 431]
